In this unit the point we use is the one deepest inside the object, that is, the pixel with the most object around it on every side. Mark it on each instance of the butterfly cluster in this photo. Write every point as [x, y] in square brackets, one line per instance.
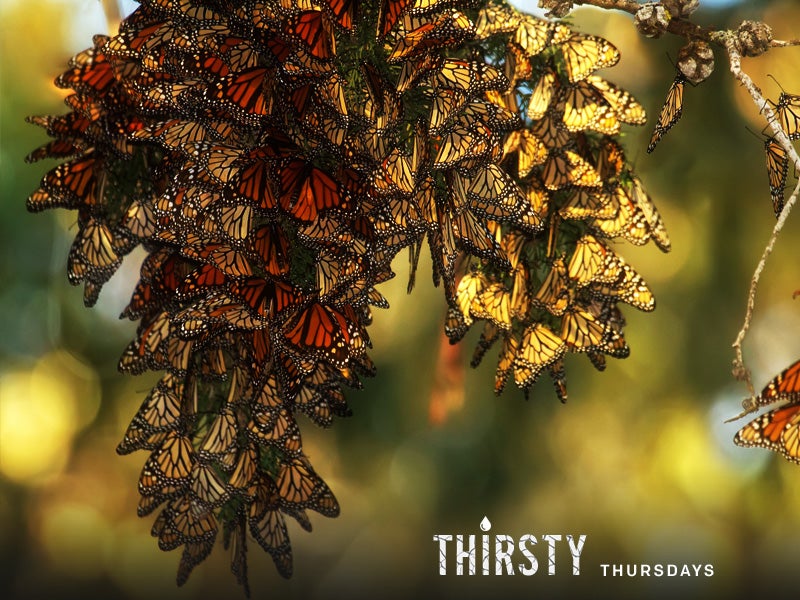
[273, 158]
[559, 289]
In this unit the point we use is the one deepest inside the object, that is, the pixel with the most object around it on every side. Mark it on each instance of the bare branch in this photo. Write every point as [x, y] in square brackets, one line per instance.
[784, 43]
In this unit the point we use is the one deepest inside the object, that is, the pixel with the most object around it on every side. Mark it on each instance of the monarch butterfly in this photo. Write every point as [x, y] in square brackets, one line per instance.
[73, 125]
[541, 95]
[581, 330]
[495, 115]
[306, 190]
[445, 103]
[89, 72]
[788, 109]
[207, 487]
[539, 348]
[344, 12]
[224, 257]
[249, 93]
[312, 29]
[670, 112]
[779, 428]
[628, 221]
[336, 270]
[625, 284]
[324, 332]
[530, 151]
[554, 294]
[581, 106]
[491, 193]
[624, 105]
[517, 67]
[188, 10]
[449, 29]
[179, 523]
[254, 182]
[176, 133]
[520, 293]
[298, 485]
[219, 441]
[271, 245]
[505, 361]
[468, 77]
[777, 171]
[160, 412]
[588, 203]
[93, 254]
[464, 146]
[455, 325]
[220, 161]
[321, 400]
[70, 185]
[642, 200]
[140, 220]
[559, 377]
[200, 280]
[551, 131]
[565, 169]
[533, 35]
[57, 149]
[416, 68]
[496, 18]
[268, 527]
[395, 174]
[610, 159]
[390, 13]
[169, 467]
[161, 274]
[468, 294]
[244, 471]
[584, 54]
[275, 426]
[383, 106]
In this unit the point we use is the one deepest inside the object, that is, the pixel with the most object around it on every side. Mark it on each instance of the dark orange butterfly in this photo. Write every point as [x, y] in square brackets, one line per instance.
[323, 331]
[70, 185]
[391, 11]
[344, 12]
[272, 246]
[250, 92]
[90, 72]
[779, 428]
[313, 30]
[307, 190]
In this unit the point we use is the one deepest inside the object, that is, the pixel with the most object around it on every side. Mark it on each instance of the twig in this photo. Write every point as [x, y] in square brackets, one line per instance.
[784, 43]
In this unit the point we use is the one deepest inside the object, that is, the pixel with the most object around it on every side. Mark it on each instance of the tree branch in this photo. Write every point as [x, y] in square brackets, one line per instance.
[739, 370]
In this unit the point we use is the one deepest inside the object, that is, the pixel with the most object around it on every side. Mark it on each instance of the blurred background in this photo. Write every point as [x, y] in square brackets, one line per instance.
[639, 459]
